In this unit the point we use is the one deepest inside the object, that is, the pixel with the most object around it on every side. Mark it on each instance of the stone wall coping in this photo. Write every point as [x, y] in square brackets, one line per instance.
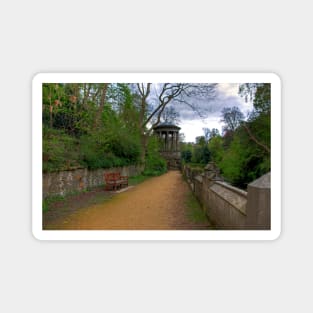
[73, 169]
[232, 188]
[64, 182]
[237, 200]
[246, 209]
[263, 182]
[199, 178]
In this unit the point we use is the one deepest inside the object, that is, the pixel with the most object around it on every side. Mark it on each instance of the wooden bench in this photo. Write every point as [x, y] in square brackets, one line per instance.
[124, 179]
[114, 181]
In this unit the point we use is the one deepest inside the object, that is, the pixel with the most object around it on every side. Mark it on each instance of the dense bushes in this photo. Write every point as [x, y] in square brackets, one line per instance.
[243, 152]
[109, 150]
[155, 164]
[242, 161]
[198, 153]
[60, 151]
[94, 126]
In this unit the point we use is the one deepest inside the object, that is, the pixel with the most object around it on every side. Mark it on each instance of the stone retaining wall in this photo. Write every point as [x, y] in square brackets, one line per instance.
[64, 182]
[227, 206]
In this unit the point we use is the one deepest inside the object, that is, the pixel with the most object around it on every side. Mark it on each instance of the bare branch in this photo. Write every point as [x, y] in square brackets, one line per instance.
[266, 148]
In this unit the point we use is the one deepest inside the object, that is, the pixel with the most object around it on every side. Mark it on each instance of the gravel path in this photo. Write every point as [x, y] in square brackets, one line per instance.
[157, 203]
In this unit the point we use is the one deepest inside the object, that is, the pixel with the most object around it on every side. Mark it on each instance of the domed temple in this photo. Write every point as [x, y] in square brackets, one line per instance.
[168, 135]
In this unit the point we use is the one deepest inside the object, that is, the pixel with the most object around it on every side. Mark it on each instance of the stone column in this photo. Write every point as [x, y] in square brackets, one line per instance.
[171, 141]
[159, 137]
[259, 203]
[164, 141]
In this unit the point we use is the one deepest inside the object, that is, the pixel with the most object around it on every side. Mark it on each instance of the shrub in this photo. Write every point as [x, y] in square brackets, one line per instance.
[186, 156]
[60, 151]
[155, 163]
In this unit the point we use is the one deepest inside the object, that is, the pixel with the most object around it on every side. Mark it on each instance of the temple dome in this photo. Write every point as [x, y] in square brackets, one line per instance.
[166, 125]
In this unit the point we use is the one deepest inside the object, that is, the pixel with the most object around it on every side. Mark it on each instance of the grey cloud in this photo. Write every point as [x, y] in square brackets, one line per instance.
[210, 109]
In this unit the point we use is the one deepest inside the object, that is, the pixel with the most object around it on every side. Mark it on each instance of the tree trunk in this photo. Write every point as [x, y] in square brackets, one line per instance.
[101, 105]
[144, 93]
[86, 95]
[50, 109]
[144, 146]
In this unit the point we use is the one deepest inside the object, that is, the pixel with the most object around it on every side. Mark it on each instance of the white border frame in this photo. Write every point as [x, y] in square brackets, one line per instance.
[161, 234]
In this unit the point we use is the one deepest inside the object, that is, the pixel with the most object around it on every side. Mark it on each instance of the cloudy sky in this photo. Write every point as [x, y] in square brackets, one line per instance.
[226, 96]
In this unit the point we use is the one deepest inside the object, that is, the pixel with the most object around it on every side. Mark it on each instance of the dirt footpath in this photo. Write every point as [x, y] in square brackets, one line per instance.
[158, 203]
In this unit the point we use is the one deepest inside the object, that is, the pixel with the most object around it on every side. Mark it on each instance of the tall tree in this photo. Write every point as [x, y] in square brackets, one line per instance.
[207, 133]
[214, 132]
[176, 93]
[170, 115]
[232, 117]
[260, 95]
[103, 93]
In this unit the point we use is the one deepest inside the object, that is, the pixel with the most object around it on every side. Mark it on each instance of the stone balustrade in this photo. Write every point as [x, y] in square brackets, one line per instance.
[229, 207]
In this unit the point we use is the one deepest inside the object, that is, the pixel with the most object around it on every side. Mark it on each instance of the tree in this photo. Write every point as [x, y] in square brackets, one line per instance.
[201, 140]
[170, 115]
[260, 95]
[262, 99]
[243, 153]
[215, 132]
[201, 152]
[89, 125]
[210, 133]
[207, 133]
[186, 151]
[164, 94]
[103, 92]
[232, 117]
[182, 137]
[186, 155]
[103, 125]
[216, 148]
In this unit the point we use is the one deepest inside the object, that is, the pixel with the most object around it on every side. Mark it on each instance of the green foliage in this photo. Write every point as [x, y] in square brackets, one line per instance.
[155, 164]
[198, 153]
[72, 135]
[60, 151]
[242, 161]
[201, 154]
[109, 149]
[242, 154]
[233, 161]
[186, 152]
[135, 180]
[216, 148]
[262, 99]
[48, 201]
[194, 211]
[186, 156]
[122, 140]
[259, 94]
[196, 166]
